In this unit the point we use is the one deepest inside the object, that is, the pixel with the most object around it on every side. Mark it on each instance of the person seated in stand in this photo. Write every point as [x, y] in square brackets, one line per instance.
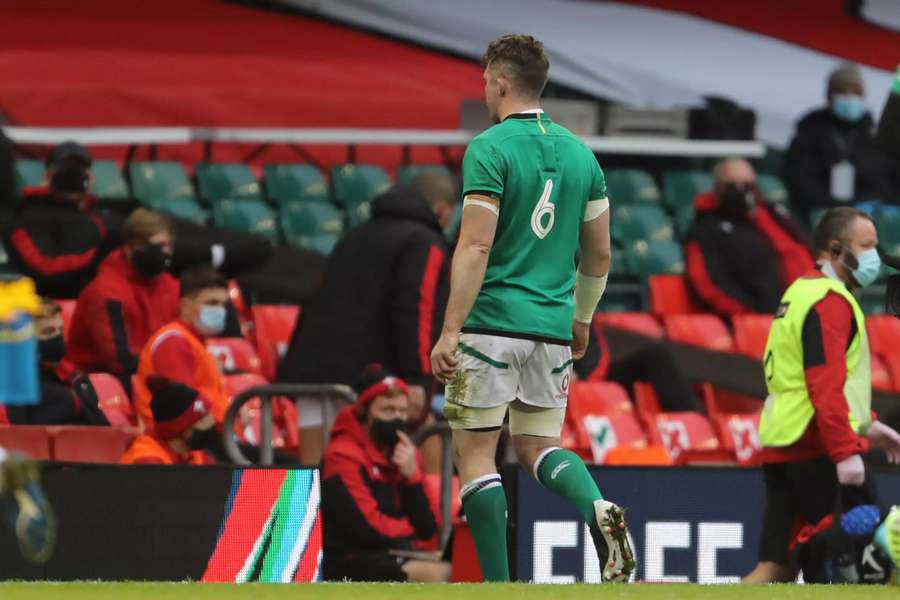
[741, 253]
[132, 296]
[373, 500]
[183, 432]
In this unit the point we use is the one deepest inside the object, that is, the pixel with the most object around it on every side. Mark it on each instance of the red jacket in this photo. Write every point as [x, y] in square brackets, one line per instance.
[116, 314]
[366, 503]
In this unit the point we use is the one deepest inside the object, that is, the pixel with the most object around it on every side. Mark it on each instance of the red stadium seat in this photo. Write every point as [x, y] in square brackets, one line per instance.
[725, 402]
[884, 333]
[751, 333]
[598, 397]
[739, 434]
[32, 440]
[67, 309]
[881, 376]
[273, 325]
[669, 295]
[234, 354]
[701, 330]
[113, 400]
[680, 432]
[285, 435]
[91, 444]
[646, 402]
[238, 382]
[643, 323]
[606, 432]
[240, 306]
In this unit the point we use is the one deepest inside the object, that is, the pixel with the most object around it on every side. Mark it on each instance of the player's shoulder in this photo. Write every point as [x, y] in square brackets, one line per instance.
[573, 141]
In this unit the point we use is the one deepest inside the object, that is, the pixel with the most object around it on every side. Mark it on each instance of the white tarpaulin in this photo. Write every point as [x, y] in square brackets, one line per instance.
[638, 56]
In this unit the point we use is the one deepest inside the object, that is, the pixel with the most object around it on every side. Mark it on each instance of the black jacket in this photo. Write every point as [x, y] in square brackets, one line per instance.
[823, 140]
[72, 402]
[382, 300]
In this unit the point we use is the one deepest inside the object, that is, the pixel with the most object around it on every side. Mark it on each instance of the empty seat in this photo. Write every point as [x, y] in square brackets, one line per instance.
[32, 440]
[226, 181]
[681, 187]
[274, 325]
[598, 398]
[113, 400]
[313, 225]
[91, 444]
[772, 189]
[164, 186]
[738, 433]
[679, 432]
[29, 173]
[628, 186]
[646, 403]
[238, 382]
[888, 224]
[247, 215]
[407, 173]
[109, 185]
[704, 330]
[606, 432]
[632, 222]
[355, 186]
[751, 333]
[653, 257]
[639, 322]
[669, 295]
[723, 402]
[234, 355]
[295, 183]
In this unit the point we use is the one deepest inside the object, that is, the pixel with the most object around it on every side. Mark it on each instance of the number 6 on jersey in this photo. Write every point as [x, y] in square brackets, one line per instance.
[544, 207]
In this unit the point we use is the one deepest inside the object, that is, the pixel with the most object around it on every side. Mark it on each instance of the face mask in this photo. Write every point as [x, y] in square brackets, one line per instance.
[384, 433]
[72, 180]
[737, 200]
[211, 321]
[848, 107]
[203, 439]
[150, 260]
[52, 349]
[868, 267]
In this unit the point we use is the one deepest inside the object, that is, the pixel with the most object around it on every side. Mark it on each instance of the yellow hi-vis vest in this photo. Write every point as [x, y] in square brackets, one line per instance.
[788, 409]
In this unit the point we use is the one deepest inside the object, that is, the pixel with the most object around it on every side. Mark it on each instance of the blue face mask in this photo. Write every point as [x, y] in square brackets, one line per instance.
[848, 107]
[211, 321]
[869, 267]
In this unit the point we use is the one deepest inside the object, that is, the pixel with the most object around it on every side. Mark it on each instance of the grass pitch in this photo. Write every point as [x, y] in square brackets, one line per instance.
[374, 591]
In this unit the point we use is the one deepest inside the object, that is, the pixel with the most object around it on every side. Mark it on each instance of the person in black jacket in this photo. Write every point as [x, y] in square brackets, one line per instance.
[382, 301]
[834, 159]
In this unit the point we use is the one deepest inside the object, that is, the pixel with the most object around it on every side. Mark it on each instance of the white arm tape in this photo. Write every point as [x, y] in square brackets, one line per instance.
[475, 202]
[595, 208]
[588, 291]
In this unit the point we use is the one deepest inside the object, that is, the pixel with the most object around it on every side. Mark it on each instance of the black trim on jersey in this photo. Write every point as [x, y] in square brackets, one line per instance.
[522, 116]
[481, 193]
[517, 336]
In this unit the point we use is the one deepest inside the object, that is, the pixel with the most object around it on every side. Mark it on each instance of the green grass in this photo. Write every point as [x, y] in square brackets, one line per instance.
[356, 591]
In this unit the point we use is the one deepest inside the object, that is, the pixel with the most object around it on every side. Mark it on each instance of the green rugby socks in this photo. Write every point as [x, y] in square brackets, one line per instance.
[484, 503]
[563, 472]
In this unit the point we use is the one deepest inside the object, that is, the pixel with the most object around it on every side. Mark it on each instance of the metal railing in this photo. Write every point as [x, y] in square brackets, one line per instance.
[442, 429]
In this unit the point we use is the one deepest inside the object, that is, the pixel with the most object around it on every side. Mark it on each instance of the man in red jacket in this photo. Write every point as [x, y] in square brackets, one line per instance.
[373, 501]
[130, 299]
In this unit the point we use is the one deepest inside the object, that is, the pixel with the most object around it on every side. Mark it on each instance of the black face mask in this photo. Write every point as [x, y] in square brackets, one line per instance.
[150, 260]
[71, 180]
[204, 439]
[737, 199]
[52, 349]
[384, 433]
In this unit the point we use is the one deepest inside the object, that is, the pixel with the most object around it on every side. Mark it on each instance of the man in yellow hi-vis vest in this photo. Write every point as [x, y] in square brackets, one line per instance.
[817, 422]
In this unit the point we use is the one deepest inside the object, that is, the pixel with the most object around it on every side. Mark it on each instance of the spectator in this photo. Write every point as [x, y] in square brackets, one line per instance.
[833, 158]
[56, 235]
[177, 352]
[742, 253]
[373, 500]
[131, 297]
[185, 429]
[383, 300]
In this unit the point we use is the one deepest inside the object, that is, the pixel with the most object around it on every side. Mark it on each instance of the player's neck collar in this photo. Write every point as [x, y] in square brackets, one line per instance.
[525, 114]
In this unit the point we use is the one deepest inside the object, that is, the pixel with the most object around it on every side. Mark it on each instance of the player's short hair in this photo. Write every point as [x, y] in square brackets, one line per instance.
[143, 224]
[522, 59]
[196, 279]
[837, 224]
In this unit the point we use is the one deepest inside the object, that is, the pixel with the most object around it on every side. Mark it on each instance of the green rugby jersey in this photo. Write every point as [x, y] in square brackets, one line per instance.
[543, 177]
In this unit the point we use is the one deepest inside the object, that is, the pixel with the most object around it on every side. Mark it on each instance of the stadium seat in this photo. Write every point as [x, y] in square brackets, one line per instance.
[700, 330]
[884, 334]
[247, 215]
[888, 224]
[67, 309]
[109, 185]
[725, 402]
[738, 433]
[772, 189]
[629, 186]
[684, 219]
[355, 186]
[871, 299]
[881, 375]
[646, 403]
[653, 257]
[274, 326]
[234, 355]
[631, 222]
[605, 432]
[751, 333]
[226, 181]
[90, 444]
[407, 173]
[679, 432]
[29, 173]
[113, 400]
[164, 186]
[669, 295]
[639, 322]
[681, 187]
[598, 398]
[238, 382]
[295, 183]
[313, 225]
[32, 440]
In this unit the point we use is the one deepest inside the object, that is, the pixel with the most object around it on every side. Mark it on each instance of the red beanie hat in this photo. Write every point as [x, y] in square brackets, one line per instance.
[175, 409]
[376, 381]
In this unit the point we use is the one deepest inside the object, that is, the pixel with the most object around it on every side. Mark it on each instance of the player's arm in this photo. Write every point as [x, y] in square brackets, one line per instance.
[593, 270]
[476, 237]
